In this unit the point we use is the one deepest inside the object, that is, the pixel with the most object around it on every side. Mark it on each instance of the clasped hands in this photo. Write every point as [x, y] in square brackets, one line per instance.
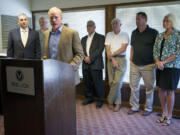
[160, 65]
[87, 59]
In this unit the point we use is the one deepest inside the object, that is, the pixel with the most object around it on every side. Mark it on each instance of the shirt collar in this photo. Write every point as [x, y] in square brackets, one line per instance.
[58, 30]
[147, 27]
[92, 35]
[26, 29]
[118, 33]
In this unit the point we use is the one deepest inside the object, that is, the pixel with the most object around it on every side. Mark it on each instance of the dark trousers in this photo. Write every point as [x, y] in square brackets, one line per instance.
[1, 112]
[93, 79]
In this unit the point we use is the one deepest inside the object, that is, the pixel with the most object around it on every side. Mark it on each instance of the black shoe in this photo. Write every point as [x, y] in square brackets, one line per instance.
[131, 112]
[99, 105]
[146, 113]
[87, 102]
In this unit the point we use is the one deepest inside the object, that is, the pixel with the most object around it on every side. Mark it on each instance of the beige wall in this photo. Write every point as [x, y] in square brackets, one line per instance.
[15, 7]
[46, 4]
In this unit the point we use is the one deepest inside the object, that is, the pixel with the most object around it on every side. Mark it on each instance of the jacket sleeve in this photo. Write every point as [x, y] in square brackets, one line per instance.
[10, 49]
[83, 45]
[37, 46]
[77, 51]
[177, 51]
[156, 51]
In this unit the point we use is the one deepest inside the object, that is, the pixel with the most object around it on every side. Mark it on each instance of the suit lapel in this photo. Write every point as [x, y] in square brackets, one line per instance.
[62, 38]
[19, 38]
[93, 42]
[84, 47]
[29, 37]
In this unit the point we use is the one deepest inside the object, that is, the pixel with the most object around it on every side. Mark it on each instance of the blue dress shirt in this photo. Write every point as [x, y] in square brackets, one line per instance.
[54, 42]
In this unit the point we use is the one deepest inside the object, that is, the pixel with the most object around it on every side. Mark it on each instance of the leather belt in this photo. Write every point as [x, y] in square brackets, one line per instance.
[120, 56]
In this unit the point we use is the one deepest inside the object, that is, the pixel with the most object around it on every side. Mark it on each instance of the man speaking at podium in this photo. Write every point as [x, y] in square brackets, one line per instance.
[23, 42]
[62, 43]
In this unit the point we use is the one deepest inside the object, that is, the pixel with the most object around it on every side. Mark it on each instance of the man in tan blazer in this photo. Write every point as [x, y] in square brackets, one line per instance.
[63, 43]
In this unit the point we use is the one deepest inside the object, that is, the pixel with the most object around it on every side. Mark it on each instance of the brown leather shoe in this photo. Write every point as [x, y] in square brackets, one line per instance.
[110, 106]
[131, 112]
[117, 107]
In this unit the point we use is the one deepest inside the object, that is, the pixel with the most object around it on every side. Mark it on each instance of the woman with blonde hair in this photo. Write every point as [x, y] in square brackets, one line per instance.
[167, 59]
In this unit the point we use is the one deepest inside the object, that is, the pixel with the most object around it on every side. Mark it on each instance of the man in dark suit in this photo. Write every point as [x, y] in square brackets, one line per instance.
[93, 46]
[23, 42]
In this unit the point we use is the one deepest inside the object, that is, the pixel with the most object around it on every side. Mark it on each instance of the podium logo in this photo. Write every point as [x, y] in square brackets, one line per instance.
[19, 75]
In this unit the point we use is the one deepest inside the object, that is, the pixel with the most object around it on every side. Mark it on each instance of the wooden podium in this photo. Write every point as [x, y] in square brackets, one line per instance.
[38, 97]
[1, 112]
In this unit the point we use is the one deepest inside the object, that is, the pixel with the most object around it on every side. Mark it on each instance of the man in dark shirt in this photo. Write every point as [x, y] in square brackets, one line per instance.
[142, 64]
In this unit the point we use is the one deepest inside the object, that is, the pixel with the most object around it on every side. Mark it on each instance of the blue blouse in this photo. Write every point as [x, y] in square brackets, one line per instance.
[171, 46]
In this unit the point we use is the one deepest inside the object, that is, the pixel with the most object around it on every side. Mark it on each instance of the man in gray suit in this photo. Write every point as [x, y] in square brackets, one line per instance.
[93, 46]
[23, 42]
[63, 43]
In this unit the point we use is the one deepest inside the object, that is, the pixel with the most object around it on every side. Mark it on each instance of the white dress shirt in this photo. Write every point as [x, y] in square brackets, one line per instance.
[25, 32]
[88, 43]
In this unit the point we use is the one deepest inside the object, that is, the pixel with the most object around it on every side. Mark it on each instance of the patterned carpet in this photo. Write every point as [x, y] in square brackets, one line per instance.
[92, 121]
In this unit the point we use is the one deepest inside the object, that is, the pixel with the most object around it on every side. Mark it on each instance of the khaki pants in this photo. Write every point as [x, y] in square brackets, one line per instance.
[148, 74]
[116, 76]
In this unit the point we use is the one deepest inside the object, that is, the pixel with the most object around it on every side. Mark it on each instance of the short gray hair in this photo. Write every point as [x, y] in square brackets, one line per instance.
[91, 21]
[171, 17]
[42, 18]
[22, 14]
[116, 19]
